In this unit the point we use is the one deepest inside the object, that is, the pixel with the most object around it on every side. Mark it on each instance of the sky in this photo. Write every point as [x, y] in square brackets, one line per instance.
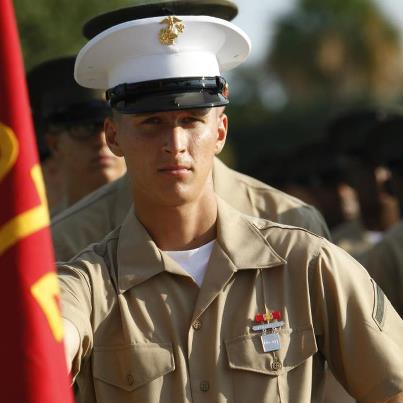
[258, 17]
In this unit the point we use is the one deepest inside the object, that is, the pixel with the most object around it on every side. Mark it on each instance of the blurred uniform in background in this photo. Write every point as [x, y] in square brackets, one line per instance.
[385, 260]
[319, 174]
[353, 176]
[337, 176]
[378, 208]
[69, 125]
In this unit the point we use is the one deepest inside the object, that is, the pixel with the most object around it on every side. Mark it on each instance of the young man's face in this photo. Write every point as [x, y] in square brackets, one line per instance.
[82, 152]
[169, 155]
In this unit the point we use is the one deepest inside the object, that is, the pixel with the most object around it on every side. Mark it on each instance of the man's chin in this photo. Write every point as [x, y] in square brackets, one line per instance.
[177, 197]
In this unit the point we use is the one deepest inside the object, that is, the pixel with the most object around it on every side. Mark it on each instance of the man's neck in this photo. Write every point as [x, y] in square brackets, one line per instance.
[184, 227]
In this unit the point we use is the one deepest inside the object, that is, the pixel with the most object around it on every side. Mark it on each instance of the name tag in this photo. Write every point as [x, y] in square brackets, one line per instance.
[270, 342]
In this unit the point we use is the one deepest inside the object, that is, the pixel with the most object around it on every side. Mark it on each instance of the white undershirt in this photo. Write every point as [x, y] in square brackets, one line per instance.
[194, 261]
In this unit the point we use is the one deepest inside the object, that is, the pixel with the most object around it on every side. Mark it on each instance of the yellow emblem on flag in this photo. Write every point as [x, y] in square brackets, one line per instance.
[29, 221]
[8, 150]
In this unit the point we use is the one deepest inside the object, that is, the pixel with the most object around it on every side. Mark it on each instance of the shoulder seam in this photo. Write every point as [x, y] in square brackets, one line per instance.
[90, 247]
[290, 228]
[265, 187]
[76, 208]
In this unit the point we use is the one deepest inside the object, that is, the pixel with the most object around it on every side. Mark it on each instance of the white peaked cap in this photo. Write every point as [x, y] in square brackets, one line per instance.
[132, 52]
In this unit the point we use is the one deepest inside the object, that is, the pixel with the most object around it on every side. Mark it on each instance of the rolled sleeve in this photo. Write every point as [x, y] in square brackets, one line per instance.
[359, 330]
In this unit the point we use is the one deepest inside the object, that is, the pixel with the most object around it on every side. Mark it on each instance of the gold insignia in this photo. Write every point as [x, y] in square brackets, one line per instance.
[174, 28]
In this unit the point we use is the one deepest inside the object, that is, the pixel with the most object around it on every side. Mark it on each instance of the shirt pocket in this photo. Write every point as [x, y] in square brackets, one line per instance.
[137, 368]
[259, 376]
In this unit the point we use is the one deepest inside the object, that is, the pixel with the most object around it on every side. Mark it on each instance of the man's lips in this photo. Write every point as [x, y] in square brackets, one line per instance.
[102, 159]
[175, 169]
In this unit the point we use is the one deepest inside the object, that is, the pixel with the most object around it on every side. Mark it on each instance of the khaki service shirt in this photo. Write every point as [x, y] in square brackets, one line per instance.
[149, 334]
[96, 215]
[384, 263]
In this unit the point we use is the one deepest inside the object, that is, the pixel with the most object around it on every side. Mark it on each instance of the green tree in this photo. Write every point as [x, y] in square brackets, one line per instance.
[50, 28]
[335, 50]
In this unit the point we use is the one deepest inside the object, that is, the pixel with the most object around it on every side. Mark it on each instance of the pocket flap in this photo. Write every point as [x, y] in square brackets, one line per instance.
[246, 352]
[129, 367]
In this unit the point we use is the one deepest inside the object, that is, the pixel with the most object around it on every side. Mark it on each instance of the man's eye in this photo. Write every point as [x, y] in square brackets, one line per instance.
[151, 121]
[190, 119]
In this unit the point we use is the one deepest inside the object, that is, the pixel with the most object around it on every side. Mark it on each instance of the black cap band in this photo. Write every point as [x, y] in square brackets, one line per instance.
[79, 113]
[169, 94]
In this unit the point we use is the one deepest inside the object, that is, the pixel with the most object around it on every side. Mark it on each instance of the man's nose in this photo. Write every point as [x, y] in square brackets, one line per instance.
[98, 138]
[175, 140]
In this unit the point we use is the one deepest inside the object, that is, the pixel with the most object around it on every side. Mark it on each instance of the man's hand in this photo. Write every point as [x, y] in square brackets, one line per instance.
[71, 342]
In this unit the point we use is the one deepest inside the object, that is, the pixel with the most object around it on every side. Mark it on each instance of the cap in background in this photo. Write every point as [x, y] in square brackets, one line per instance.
[385, 141]
[57, 99]
[348, 132]
[224, 9]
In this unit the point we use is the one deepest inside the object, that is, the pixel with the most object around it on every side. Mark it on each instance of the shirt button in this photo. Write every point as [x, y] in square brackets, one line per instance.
[276, 365]
[197, 324]
[130, 379]
[204, 386]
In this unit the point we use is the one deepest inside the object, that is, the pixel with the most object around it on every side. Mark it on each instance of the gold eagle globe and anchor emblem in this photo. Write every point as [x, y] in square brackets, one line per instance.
[171, 32]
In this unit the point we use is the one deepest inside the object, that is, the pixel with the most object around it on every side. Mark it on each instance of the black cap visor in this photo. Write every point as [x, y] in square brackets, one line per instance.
[169, 95]
[170, 102]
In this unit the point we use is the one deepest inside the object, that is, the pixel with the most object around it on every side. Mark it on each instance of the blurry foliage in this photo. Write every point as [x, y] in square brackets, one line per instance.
[50, 28]
[327, 56]
[334, 49]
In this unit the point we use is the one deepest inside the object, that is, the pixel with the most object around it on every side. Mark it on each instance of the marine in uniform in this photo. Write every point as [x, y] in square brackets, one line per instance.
[189, 299]
[93, 217]
[69, 125]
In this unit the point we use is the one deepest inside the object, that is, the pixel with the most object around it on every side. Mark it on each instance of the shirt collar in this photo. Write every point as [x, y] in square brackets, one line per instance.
[139, 258]
[242, 241]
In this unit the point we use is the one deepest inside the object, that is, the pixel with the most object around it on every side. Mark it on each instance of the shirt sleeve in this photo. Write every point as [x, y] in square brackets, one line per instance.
[76, 304]
[358, 330]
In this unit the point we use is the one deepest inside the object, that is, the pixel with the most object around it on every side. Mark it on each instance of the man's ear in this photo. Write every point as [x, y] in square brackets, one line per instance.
[111, 135]
[222, 131]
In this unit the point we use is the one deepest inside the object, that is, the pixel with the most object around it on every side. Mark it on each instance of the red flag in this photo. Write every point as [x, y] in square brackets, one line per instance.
[31, 336]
